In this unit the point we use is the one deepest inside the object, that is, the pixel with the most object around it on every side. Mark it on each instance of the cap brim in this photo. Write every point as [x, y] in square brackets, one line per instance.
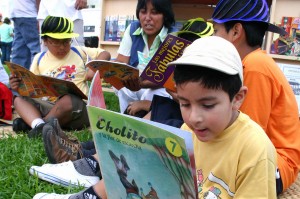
[203, 62]
[61, 35]
[271, 28]
[276, 29]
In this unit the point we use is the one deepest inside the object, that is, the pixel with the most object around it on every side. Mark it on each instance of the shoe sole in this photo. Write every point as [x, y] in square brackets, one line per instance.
[48, 146]
[55, 180]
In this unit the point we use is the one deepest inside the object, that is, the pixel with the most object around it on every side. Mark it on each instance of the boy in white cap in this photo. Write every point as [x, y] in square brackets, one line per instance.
[63, 62]
[234, 157]
[270, 101]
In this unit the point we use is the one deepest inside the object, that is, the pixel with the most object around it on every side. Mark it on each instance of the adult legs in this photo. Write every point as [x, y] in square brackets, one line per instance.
[26, 41]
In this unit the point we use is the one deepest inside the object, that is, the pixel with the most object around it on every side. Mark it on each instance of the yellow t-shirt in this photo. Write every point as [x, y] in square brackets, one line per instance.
[240, 163]
[71, 68]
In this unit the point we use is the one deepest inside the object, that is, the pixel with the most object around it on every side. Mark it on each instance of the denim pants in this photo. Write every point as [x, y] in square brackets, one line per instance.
[6, 51]
[26, 41]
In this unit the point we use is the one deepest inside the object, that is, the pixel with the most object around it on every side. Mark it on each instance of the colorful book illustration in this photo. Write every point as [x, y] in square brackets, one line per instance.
[157, 70]
[139, 157]
[96, 97]
[36, 86]
[113, 72]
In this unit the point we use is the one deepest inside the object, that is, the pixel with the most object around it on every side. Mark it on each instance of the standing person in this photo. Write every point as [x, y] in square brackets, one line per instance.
[234, 157]
[270, 100]
[26, 43]
[64, 8]
[60, 61]
[140, 42]
[6, 38]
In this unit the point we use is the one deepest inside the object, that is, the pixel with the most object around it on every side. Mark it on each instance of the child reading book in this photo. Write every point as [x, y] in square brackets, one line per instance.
[234, 157]
[62, 62]
[270, 101]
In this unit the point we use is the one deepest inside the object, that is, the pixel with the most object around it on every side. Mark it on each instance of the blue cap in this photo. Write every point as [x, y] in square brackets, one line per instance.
[245, 10]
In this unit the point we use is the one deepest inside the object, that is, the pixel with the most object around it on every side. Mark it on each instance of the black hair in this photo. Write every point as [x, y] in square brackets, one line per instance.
[161, 6]
[208, 78]
[255, 31]
[6, 20]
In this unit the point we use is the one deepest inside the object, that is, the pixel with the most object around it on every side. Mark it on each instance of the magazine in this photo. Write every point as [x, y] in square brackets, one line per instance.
[36, 86]
[139, 157]
[157, 70]
[113, 72]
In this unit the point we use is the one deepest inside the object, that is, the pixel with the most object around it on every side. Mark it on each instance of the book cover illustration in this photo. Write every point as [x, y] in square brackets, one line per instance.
[288, 44]
[142, 159]
[36, 86]
[157, 70]
[113, 72]
[96, 97]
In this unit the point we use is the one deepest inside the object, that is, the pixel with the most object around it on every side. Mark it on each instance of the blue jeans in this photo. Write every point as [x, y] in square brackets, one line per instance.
[6, 51]
[26, 42]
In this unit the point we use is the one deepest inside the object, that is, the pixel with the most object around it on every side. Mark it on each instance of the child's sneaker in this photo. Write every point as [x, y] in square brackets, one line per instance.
[19, 125]
[63, 174]
[58, 146]
[51, 196]
[36, 131]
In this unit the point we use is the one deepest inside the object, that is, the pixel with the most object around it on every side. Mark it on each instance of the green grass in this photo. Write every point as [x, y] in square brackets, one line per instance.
[18, 154]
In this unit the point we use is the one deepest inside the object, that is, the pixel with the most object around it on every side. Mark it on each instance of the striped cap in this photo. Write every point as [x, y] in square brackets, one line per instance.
[245, 10]
[58, 28]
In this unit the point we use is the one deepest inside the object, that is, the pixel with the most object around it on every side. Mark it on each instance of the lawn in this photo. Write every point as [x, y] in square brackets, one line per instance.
[19, 154]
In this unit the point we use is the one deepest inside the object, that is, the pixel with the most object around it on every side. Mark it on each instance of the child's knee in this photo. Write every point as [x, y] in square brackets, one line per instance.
[65, 103]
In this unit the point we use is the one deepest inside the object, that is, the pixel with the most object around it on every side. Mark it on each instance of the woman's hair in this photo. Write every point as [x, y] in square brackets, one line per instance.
[162, 6]
[255, 31]
[6, 20]
[208, 78]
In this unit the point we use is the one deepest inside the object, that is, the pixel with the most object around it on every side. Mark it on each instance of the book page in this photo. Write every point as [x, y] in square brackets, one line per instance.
[139, 156]
[31, 84]
[114, 72]
[36, 86]
[96, 97]
[61, 87]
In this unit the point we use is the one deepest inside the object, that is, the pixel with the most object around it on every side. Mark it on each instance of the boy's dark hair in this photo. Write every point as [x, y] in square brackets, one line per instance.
[255, 31]
[162, 6]
[6, 20]
[210, 79]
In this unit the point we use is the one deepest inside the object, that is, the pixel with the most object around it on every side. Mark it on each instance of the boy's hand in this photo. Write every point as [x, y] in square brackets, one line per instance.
[14, 82]
[80, 4]
[132, 84]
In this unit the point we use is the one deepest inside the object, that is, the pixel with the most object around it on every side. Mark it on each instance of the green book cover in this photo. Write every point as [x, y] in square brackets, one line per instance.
[142, 159]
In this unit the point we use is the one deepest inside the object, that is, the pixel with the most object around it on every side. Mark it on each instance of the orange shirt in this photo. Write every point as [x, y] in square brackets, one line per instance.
[270, 102]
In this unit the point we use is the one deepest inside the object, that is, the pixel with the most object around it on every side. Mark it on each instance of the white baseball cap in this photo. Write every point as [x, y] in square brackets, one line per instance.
[212, 52]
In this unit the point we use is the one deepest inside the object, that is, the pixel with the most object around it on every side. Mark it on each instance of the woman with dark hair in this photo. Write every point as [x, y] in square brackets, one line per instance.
[6, 38]
[140, 42]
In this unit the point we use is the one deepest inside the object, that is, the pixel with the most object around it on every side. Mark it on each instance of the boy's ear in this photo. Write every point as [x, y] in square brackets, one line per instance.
[237, 31]
[239, 97]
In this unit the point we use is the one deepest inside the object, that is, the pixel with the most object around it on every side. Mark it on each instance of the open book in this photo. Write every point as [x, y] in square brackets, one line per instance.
[142, 157]
[113, 72]
[157, 70]
[36, 86]
[138, 157]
